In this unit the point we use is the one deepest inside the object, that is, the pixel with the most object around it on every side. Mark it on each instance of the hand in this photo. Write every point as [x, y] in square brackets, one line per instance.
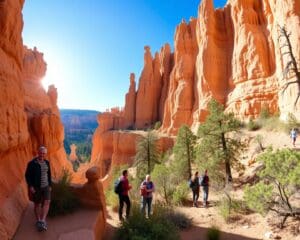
[32, 190]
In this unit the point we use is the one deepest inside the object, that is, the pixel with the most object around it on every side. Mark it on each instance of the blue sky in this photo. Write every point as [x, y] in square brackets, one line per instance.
[91, 46]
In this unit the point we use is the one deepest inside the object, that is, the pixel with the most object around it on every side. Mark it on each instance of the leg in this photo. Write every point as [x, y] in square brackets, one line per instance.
[46, 196]
[37, 211]
[143, 205]
[45, 210]
[121, 204]
[205, 195]
[196, 198]
[37, 198]
[149, 202]
[127, 201]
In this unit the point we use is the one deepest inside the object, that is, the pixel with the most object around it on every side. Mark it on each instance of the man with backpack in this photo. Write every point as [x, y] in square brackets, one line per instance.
[204, 182]
[146, 189]
[121, 188]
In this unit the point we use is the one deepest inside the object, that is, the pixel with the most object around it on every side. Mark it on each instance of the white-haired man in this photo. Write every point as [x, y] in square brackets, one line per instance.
[38, 178]
[146, 188]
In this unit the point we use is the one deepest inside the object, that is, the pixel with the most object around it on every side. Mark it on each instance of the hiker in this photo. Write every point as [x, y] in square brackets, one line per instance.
[123, 195]
[38, 178]
[195, 186]
[204, 182]
[293, 134]
[146, 189]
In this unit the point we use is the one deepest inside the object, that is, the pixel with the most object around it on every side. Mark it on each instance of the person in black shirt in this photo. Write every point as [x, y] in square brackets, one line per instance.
[38, 178]
[195, 186]
[205, 185]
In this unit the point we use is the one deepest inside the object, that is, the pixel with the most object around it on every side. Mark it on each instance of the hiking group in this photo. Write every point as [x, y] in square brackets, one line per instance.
[195, 183]
[38, 178]
[147, 188]
[122, 187]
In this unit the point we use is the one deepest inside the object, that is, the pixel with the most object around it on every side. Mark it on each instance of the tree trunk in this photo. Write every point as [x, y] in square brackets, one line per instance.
[227, 160]
[188, 156]
[148, 156]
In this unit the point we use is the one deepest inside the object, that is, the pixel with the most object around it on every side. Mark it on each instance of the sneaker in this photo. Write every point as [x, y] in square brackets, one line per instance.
[38, 225]
[44, 226]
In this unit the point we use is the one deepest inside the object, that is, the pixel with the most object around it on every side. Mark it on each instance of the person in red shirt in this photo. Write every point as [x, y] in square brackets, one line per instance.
[123, 195]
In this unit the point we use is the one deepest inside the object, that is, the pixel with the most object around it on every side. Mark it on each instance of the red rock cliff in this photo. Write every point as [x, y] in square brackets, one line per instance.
[231, 54]
[29, 116]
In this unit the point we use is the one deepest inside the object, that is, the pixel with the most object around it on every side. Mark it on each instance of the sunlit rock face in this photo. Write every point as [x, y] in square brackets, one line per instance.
[231, 54]
[29, 116]
[117, 148]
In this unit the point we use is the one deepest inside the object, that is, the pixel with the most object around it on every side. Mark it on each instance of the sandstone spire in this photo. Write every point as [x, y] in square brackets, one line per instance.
[130, 99]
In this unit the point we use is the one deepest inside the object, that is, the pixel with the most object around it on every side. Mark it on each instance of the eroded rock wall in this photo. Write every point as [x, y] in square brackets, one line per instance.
[231, 54]
[29, 116]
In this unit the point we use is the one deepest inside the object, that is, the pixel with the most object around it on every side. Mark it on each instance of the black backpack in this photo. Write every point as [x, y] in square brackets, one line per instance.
[118, 186]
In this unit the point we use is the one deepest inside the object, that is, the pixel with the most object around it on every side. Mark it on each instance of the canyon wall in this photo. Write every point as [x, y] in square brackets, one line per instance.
[233, 55]
[29, 116]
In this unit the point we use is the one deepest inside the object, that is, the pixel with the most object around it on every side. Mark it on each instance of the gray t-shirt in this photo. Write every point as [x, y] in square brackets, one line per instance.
[44, 174]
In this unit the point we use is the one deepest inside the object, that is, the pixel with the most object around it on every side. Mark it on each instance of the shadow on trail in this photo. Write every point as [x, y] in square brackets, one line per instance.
[199, 233]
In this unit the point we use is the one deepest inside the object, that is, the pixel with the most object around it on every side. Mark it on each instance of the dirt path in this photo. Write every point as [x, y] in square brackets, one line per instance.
[245, 227]
[77, 226]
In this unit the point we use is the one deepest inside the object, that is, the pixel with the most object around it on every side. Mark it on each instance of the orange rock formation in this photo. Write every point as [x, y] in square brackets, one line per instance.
[73, 156]
[230, 54]
[29, 117]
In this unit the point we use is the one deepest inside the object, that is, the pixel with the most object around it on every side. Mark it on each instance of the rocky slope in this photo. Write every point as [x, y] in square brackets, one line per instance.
[29, 116]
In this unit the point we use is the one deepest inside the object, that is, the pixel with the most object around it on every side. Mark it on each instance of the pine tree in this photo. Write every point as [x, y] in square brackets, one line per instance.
[218, 146]
[147, 154]
[184, 151]
[279, 180]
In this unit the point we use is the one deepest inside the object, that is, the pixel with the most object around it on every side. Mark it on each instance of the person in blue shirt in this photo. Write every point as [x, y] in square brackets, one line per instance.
[147, 189]
[294, 136]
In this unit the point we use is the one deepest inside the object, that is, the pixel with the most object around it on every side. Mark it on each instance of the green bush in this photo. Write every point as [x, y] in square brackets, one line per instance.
[157, 125]
[272, 124]
[264, 113]
[224, 209]
[63, 200]
[112, 199]
[253, 125]
[213, 233]
[180, 194]
[279, 180]
[163, 180]
[292, 122]
[138, 227]
[230, 207]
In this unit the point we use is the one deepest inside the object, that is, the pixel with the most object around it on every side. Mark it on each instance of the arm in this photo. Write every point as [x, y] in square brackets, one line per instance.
[151, 189]
[28, 175]
[49, 174]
